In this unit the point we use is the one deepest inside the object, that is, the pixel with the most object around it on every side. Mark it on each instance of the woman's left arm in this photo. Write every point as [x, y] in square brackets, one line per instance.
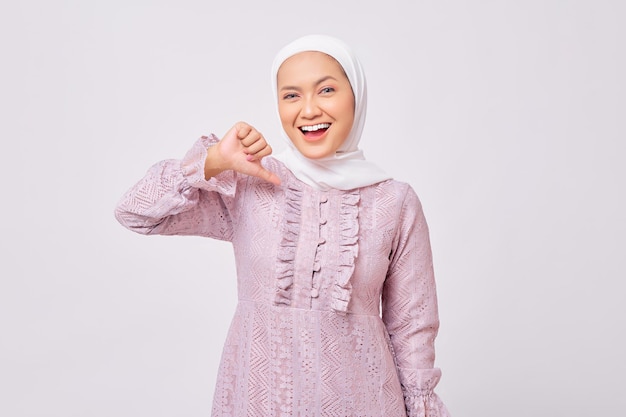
[409, 311]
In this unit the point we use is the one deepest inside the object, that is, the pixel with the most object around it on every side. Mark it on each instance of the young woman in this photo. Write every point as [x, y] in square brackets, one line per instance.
[322, 239]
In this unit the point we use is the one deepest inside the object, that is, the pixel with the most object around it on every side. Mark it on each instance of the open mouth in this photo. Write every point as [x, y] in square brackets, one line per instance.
[315, 130]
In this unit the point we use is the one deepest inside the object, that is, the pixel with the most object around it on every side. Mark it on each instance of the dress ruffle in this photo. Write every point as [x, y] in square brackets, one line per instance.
[348, 241]
[287, 249]
[349, 238]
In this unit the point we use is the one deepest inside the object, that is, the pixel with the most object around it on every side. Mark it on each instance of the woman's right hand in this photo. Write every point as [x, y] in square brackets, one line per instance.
[241, 150]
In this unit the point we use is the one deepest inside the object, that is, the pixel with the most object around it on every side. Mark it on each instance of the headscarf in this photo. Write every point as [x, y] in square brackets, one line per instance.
[347, 168]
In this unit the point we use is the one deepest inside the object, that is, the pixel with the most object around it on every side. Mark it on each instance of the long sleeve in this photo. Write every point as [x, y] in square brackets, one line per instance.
[409, 307]
[173, 198]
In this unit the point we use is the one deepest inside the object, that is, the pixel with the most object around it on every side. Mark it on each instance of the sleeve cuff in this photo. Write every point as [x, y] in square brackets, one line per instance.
[425, 404]
[418, 388]
[192, 166]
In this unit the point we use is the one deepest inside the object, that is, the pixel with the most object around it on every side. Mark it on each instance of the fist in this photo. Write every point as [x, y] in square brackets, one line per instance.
[242, 148]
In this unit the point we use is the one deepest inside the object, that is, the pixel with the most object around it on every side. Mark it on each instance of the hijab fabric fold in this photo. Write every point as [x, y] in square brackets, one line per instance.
[347, 168]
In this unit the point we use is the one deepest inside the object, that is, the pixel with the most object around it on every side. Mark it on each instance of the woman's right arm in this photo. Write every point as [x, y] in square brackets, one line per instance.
[196, 195]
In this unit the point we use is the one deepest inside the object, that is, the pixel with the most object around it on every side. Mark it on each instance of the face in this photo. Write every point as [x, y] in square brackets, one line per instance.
[315, 103]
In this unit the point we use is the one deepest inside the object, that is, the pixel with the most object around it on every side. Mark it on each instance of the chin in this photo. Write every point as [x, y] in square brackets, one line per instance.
[313, 153]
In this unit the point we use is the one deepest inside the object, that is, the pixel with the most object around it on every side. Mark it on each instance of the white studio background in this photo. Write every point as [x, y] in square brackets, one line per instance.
[507, 117]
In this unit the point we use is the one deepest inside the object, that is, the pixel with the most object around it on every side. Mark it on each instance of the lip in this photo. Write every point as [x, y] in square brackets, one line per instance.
[313, 136]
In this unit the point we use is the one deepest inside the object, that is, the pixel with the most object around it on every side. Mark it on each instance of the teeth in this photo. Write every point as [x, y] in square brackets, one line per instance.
[315, 127]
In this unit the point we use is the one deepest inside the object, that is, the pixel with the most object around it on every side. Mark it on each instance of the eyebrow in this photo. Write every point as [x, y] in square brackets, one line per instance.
[318, 82]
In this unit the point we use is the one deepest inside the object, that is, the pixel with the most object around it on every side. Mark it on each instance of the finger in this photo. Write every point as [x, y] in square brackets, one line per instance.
[243, 129]
[252, 137]
[256, 147]
[260, 154]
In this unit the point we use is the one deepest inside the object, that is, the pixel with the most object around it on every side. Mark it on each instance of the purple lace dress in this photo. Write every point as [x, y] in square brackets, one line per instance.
[310, 335]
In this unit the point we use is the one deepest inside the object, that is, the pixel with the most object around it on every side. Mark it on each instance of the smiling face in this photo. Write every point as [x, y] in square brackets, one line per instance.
[315, 103]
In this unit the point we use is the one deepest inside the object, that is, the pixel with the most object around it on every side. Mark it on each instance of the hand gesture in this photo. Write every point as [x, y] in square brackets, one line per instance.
[241, 150]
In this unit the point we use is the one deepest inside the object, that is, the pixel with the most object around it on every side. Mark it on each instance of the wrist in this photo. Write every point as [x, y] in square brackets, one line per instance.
[213, 164]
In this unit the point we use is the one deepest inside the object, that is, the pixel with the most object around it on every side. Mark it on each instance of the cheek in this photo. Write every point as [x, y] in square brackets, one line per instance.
[345, 112]
[343, 108]
[286, 117]
[287, 121]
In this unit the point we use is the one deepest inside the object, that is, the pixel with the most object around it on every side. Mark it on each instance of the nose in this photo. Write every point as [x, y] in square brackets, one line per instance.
[310, 108]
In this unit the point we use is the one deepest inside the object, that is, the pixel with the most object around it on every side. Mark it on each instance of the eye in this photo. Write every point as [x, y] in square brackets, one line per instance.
[289, 96]
[327, 90]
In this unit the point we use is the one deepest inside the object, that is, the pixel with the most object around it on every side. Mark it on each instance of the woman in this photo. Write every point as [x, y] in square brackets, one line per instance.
[322, 239]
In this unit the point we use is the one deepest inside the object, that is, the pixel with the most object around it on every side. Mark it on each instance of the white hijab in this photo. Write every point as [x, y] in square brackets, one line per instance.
[347, 168]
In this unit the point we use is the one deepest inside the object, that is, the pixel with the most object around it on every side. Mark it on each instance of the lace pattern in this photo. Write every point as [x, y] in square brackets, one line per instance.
[307, 338]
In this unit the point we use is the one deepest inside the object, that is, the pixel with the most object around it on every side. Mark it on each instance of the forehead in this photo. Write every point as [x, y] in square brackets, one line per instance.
[309, 64]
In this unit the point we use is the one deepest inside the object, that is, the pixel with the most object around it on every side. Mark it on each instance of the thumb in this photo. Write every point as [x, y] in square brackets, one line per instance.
[266, 175]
